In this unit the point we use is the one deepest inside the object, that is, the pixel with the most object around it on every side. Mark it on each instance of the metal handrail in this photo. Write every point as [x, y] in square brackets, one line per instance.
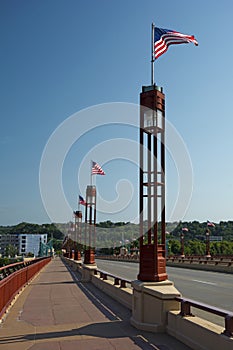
[7, 270]
[12, 283]
[202, 260]
[118, 281]
[223, 261]
[186, 305]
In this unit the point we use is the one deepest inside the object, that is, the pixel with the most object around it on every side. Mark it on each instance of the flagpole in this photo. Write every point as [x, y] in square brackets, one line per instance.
[78, 204]
[91, 172]
[152, 53]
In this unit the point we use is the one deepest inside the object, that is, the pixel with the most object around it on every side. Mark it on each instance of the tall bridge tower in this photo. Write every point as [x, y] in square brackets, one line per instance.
[152, 266]
[90, 225]
[78, 233]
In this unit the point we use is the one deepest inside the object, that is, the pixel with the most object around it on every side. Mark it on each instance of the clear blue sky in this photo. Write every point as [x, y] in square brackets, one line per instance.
[59, 57]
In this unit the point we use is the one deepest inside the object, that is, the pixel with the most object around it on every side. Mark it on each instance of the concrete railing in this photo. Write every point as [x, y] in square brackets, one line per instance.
[186, 305]
[118, 281]
[118, 288]
[216, 264]
[198, 333]
[148, 301]
[197, 259]
[201, 263]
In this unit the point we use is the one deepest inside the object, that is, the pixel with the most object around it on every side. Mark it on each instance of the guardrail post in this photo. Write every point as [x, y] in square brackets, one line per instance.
[123, 284]
[116, 281]
[228, 326]
[185, 308]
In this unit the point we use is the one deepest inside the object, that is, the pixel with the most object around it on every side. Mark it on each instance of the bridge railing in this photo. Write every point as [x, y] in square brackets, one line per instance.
[215, 261]
[198, 257]
[226, 261]
[14, 277]
[118, 281]
[186, 305]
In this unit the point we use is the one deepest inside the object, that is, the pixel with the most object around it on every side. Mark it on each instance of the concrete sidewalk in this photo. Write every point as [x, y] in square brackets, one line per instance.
[59, 312]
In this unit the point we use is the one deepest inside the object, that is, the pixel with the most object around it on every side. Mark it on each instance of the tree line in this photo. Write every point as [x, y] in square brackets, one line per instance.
[116, 234]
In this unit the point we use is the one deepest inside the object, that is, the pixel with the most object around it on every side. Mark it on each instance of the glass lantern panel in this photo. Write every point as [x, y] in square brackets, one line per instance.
[159, 119]
[153, 119]
[149, 118]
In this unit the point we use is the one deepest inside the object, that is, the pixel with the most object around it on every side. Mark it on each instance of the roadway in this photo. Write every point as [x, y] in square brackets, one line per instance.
[212, 288]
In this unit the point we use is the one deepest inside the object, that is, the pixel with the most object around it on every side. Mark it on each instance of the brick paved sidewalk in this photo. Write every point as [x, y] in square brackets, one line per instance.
[59, 312]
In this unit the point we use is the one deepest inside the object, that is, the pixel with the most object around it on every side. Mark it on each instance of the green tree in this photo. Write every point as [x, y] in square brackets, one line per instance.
[10, 251]
[175, 247]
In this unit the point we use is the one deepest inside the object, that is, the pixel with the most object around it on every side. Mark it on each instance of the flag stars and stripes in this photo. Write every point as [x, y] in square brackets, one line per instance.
[82, 200]
[163, 38]
[96, 169]
[210, 224]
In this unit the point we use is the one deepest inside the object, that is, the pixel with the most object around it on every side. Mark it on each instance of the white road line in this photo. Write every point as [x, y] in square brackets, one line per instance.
[212, 283]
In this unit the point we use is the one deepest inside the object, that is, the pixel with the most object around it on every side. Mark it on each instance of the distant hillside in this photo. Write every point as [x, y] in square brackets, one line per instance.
[196, 230]
[109, 233]
[26, 228]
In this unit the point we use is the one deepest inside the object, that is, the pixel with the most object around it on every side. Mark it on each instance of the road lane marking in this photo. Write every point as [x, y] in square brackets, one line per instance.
[212, 283]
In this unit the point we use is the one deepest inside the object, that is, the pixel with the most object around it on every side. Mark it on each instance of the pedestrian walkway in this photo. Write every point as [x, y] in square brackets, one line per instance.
[57, 311]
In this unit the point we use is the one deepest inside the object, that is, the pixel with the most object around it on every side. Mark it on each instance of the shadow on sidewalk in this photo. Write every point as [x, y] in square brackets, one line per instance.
[107, 305]
[106, 330]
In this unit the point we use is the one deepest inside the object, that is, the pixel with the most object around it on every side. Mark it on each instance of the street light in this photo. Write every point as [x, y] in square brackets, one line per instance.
[182, 245]
[184, 229]
[207, 234]
[78, 230]
[152, 263]
[90, 225]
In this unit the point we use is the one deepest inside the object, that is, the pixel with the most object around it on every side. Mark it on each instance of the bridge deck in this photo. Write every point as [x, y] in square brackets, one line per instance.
[57, 311]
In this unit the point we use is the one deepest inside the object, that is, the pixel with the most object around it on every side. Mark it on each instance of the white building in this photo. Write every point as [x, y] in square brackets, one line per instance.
[30, 243]
[24, 243]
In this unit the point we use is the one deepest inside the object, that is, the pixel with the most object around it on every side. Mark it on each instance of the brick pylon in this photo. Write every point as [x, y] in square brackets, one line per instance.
[152, 265]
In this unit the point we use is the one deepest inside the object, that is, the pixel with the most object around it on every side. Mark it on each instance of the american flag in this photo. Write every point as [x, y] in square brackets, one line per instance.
[82, 200]
[210, 223]
[165, 37]
[96, 169]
